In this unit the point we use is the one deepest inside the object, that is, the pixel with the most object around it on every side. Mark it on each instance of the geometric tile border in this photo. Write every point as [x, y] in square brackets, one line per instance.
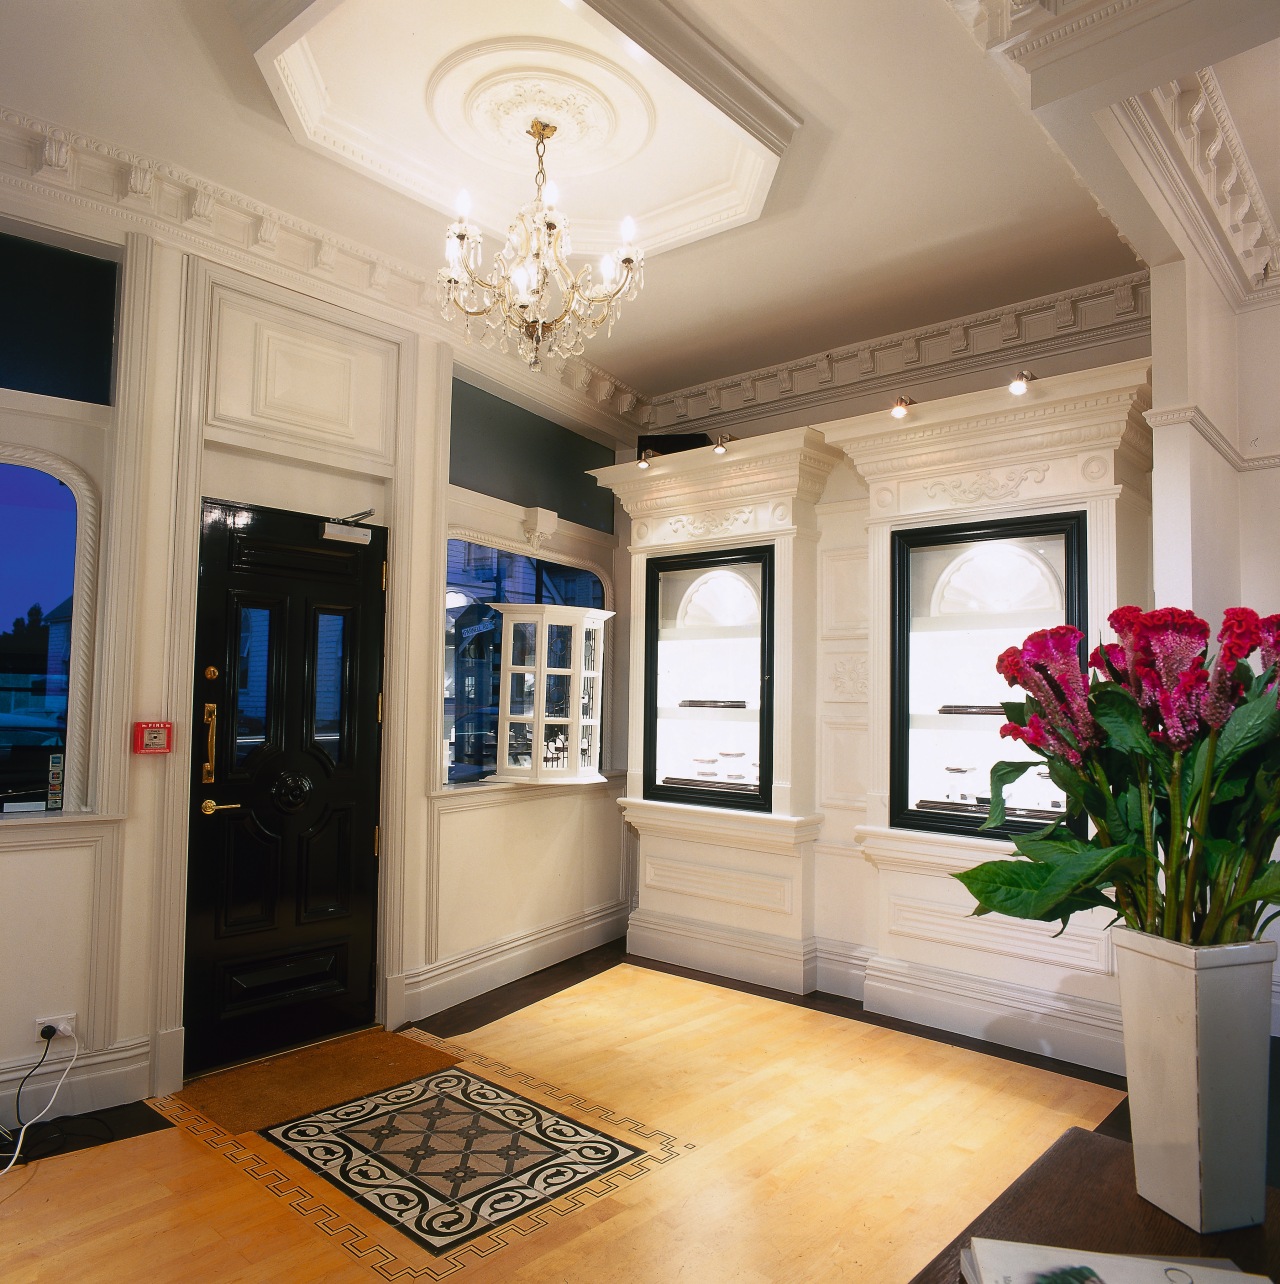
[330, 1211]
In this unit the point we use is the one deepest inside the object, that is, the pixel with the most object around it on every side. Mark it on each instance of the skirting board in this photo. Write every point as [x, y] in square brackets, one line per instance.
[97, 1080]
[456, 980]
[842, 968]
[1084, 1031]
[776, 961]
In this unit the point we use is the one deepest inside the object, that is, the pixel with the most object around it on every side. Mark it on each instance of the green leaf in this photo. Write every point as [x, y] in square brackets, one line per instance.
[1253, 723]
[1010, 887]
[1265, 888]
[1015, 711]
[1220, 851]
[1049, 851]
[1003, 773]
[1118, 714]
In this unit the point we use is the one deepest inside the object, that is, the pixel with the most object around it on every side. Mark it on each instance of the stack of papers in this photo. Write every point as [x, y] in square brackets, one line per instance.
[998, 1261]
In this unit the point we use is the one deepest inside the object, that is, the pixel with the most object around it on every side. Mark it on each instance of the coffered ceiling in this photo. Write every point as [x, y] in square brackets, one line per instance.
[804, 176]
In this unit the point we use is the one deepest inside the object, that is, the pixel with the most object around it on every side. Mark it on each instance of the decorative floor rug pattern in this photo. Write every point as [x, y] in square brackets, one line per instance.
[381, 1244]
[450, 1156]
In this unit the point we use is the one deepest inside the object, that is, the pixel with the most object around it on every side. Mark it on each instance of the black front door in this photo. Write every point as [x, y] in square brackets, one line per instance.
[282, 862]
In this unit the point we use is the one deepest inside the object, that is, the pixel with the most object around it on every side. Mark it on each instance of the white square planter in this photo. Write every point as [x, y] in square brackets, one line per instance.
[1197, 1029]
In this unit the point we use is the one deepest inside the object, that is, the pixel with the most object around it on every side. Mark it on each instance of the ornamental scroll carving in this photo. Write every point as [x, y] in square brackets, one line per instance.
[850, 678]
[700, 525]
[986, 484]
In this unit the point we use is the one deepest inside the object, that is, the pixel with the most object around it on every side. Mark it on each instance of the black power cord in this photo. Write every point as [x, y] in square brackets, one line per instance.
[46, 1033]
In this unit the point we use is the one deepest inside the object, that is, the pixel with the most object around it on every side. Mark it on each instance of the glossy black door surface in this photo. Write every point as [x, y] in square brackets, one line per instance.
[282, 864]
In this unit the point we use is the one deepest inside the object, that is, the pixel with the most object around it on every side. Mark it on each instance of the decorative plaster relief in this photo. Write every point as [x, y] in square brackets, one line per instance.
[848, 678]
[711, 882]
[845, 753]
[704, 525]
[984, 485]
[844, 593]
[1084, 948]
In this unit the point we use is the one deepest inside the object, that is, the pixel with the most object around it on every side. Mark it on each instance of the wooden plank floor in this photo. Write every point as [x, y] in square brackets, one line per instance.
[812, 1148]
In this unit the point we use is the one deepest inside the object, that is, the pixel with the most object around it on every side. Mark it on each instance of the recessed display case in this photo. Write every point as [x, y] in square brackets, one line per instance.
[708, 692]
[549, 693]
[962, 595]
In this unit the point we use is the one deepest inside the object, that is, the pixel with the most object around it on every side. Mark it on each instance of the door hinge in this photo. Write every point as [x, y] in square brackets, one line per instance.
[377, 841]
[384, 576]
[379, 708]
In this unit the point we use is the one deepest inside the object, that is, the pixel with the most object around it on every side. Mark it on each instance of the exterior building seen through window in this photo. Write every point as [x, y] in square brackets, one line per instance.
[479, 576]
[37, 576]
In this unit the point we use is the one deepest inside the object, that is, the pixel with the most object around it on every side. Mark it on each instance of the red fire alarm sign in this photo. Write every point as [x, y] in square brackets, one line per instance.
[152, 737]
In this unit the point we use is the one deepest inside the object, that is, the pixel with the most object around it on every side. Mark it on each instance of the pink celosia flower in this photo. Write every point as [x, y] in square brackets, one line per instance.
[1269, 640]
[1038, 735]
[1167, 644]
[1108, 656]
[1047, 667]
[1240, 634]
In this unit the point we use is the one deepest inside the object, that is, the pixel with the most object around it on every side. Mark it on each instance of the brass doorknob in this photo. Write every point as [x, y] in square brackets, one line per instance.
[209, 807]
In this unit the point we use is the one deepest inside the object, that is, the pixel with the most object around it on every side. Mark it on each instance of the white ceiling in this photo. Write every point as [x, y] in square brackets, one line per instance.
[915, 190]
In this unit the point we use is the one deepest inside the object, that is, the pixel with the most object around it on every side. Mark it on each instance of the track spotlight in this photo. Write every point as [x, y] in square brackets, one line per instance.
[899, 410]
[722, 443]
[1018, 384]
[643, 461]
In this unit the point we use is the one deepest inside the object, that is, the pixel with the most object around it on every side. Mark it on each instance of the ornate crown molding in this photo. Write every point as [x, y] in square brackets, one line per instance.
[1186, 130]
[776, 469]
[1209, 431]
[68, 167]
[1073, 320]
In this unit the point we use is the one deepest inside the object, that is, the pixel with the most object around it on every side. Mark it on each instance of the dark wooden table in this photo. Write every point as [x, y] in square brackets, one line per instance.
[1081, 1194]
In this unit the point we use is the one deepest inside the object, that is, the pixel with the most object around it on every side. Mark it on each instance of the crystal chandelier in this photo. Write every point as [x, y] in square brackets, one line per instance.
[533, 296]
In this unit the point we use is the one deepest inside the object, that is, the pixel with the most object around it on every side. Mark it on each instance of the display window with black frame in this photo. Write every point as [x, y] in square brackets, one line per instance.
[961, 595]
[708, 721]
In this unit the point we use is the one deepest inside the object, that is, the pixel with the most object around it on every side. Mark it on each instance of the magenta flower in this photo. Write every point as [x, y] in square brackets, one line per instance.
[1047, 667]
[1269, 640]
[1037, 735]
[1239, 636]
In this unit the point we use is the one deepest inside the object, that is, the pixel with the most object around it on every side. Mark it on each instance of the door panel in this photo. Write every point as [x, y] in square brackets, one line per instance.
[282, 868]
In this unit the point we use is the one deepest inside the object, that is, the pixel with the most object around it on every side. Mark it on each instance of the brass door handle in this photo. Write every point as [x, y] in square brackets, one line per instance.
[210, 721]
[209, 807]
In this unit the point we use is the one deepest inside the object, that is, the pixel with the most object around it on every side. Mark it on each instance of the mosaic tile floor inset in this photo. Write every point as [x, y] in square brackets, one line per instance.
[450, 1156]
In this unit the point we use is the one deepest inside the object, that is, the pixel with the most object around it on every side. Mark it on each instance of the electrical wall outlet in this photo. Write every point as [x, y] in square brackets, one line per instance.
[64, 1024]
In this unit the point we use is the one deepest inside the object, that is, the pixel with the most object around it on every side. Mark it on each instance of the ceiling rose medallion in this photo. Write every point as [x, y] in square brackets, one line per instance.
[533, 297]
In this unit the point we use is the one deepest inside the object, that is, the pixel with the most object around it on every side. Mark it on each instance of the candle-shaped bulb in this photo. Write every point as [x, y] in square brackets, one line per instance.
[550, 193]
[628, 230]
[607, 269]
[464, 204]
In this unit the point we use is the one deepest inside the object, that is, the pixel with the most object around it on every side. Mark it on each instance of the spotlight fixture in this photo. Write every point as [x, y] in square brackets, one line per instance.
[533, 298]
[643, 461]
[1018, 384]
[722, 443]
[899, 410]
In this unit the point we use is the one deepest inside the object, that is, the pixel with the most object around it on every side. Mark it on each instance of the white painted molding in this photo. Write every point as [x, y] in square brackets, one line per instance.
[67, 169]
[97, 1080]
[451, 981]
[82, 729]
[1189, 146]
[1049, 1022]
[681, 47]
[782, 962]
[1001, 338]
[698, 498]
[912, 851]
[842, 967]
[719, 827]
[1083, 947]
[1209, 431]
[748, 888]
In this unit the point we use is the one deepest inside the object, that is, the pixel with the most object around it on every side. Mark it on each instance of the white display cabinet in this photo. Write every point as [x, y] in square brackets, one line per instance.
[549, 693]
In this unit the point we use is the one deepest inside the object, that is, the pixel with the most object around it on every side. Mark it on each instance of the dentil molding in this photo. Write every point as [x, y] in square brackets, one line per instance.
[1001, 338]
